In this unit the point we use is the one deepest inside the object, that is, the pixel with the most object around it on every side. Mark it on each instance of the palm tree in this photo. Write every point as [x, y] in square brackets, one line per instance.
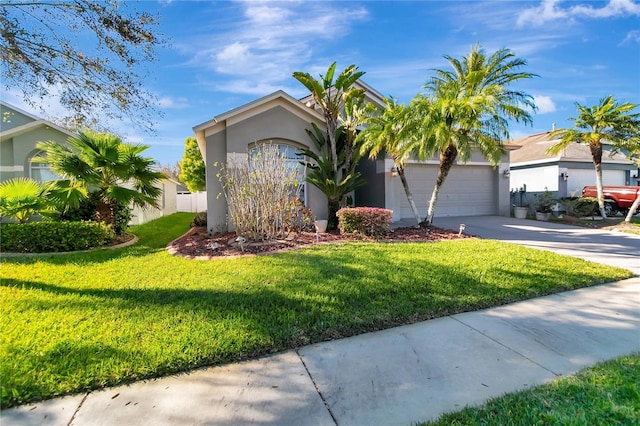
[390, 130]
[468, 108]
[22, 197]
[102, 162]
[608, 120]
[322, 175]
[330, 96]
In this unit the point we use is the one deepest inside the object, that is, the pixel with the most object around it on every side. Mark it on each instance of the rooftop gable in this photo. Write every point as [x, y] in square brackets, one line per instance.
[534, 147]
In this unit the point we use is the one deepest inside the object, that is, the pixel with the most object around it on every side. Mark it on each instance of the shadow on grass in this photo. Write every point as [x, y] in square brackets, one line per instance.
[256, 306]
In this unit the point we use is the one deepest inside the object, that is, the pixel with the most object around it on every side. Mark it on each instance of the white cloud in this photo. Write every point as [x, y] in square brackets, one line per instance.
[545, 104]
[632, 37]
[270, 40]
[168, 102]
[551, 10]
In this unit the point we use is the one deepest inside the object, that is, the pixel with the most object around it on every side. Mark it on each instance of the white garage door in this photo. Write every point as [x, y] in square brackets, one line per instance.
[467, 191]
[579, 178]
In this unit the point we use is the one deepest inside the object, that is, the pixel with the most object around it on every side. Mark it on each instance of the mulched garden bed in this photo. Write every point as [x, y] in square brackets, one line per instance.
[198, 244]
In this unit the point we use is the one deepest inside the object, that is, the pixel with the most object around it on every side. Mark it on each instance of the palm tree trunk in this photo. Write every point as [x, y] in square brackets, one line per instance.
[596, 155]
[633, 209]
[447, 158]
[104, 213]
[405, 185]
[331, 132]
[334, 206]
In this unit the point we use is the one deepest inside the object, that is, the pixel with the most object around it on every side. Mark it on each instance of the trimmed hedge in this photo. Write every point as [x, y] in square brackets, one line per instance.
[369, 221]
[46, 237]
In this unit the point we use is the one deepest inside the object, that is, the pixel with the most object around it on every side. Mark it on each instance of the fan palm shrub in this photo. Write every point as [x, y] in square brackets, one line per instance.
[102, 163]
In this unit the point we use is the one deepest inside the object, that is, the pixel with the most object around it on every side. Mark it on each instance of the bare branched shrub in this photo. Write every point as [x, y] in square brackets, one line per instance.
[259, 190]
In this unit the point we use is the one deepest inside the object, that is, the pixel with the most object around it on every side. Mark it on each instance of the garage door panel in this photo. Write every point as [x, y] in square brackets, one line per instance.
[468, 190]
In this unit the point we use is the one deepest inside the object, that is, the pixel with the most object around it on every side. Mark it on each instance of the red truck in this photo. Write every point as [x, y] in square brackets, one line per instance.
[617, 199]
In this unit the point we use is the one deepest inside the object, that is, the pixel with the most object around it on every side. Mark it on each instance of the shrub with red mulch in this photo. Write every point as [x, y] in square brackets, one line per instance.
[198, 243]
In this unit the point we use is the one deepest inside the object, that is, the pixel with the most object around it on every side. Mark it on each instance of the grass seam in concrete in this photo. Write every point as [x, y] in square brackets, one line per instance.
[317, 389]
[86, 395]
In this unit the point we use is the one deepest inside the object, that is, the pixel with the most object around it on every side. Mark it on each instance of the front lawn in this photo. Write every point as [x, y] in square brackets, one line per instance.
[77, 322]
[606, 394]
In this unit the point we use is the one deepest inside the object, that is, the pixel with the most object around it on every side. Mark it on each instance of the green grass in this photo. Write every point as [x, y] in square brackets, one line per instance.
[606, 394]
[77, 322]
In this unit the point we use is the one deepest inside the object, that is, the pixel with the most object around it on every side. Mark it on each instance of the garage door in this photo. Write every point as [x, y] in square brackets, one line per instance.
[467, 191]
[579, 178]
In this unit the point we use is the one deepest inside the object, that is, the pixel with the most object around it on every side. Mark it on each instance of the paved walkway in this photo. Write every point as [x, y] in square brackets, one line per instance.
[397, 376]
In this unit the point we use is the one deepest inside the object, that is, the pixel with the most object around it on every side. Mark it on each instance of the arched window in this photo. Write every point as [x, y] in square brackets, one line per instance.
[41, 171]
[292, 158]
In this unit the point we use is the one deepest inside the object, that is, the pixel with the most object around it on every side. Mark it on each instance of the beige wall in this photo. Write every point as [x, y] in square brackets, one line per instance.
[276, 125]
[16, 152]
[166, 203]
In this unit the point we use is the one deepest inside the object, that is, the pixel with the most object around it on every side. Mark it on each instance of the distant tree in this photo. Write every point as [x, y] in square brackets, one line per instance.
[192, 167]
[469, 107]
[172, 171]
[87, 53]
[608, 121]
[102, 162]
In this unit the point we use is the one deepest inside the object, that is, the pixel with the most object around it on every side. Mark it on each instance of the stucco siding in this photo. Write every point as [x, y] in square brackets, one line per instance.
[276, 123]
[12, 118]
[216, 152]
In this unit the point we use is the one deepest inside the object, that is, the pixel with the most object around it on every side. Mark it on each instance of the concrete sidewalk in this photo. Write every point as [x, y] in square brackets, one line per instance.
[397, 376]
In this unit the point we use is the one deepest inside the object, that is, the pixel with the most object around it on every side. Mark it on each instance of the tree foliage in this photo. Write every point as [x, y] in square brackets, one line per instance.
[469, 108]
[192, 167]
[102, 162]
[87, 53]
[392, 131]
[343, 107]
[609, 121]
[21, 198]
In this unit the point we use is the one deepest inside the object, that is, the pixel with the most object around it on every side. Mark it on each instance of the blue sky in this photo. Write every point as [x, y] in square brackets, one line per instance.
[226, 53]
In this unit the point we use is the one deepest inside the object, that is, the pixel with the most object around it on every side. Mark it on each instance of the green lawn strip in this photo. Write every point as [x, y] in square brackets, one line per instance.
[606, 394]
[84, 321]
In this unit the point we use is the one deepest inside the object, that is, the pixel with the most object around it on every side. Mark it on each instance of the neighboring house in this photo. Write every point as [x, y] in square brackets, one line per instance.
[167, 204]
[565, 174]
[19, 134]
[476, 188]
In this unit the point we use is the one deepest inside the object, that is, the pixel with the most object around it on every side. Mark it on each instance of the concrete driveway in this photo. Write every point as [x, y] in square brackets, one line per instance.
[607, 247]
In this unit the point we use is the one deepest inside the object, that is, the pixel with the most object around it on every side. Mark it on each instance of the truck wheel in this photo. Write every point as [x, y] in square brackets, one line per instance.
[611, 208]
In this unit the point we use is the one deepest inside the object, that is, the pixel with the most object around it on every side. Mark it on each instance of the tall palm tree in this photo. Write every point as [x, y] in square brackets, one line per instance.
[330, 96]
[102, 162]
[391, 131]
[607, 121]
[469, 107]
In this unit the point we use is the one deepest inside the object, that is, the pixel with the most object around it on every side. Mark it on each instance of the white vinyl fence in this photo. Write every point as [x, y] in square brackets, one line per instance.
[196, 202]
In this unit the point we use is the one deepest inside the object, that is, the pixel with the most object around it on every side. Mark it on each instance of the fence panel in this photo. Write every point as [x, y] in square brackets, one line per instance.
[193, 203]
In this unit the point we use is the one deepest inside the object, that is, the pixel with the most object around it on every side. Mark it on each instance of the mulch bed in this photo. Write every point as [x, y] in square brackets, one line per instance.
[198, 244]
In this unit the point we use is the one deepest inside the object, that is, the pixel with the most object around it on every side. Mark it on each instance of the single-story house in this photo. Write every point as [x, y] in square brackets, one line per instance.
[567, 173]
[476, 188]
[20, 131]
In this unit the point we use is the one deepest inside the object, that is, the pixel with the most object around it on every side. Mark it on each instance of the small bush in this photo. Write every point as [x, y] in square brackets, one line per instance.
[199, 220]
[45, 237]
[585, 206]
[87, 209]
[301, 219]
[368, 221]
